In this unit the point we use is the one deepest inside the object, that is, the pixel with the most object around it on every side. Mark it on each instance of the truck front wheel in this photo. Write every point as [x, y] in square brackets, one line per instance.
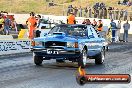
[82, 60]
[38, 60]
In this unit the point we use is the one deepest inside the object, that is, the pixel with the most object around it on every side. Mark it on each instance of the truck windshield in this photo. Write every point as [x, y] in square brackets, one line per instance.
[79, 30]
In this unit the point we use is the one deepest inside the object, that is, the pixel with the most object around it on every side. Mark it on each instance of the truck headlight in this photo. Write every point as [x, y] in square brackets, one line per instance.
[38, 43]
[72, 44]
[32, 43]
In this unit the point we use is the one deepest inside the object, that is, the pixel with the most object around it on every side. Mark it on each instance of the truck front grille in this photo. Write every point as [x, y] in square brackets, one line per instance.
[54, 43]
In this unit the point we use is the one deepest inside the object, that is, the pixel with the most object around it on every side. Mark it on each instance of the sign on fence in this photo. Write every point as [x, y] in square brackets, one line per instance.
[14, 46]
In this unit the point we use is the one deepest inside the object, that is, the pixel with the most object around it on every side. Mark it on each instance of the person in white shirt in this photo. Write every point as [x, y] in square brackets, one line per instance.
[118, 31]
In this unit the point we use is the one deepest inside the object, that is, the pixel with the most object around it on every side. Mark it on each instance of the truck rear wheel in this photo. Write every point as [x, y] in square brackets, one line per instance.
[100, 58]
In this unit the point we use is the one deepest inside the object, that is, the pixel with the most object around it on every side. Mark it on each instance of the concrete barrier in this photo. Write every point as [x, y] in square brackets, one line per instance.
[23, 34]
[6, 37]
[14, 46]
[8, 45]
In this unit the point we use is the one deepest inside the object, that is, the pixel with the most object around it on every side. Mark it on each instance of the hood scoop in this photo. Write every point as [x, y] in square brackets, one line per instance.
[59, 33]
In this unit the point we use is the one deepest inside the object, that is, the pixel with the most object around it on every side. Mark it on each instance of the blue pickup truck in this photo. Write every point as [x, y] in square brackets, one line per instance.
[76, 43]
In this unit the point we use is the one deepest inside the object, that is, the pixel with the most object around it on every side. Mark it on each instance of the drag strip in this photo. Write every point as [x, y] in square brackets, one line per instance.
[21, 72]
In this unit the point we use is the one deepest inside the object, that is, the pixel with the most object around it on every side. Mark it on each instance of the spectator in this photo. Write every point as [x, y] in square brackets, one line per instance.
[1, 24]
[101, 13]
[75, 11]
[110, 13]
[14, 23]
[37, 32]
[100, 26]
[96, 6]
[113, 13]
[7, 23]
[70, 9]
[118, 31]
[126, 27]
[117, 14]
[87, 22]
[105, 13]
[38, 20]
[86, 12]
[94, 24]
[90, 12]
[125, 15]
[113, 28]
[102, 5]
[109, 35]
[71, 19]
[95, 13]
[32, 23]
[80, 11]
[121, 14]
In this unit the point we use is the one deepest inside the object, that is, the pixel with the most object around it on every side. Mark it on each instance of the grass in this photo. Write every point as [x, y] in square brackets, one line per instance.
[41, 6]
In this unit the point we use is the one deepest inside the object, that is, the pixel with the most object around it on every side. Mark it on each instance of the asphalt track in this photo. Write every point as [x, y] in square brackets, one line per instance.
[19, 71]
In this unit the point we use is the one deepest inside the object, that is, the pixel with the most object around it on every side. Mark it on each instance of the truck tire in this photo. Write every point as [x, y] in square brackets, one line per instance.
[38, 60]
[82, 60]
[107, 48]
[100, 58]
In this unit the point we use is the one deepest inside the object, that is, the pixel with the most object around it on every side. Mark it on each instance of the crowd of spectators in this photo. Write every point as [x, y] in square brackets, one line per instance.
[113, 33]
[7, 23]
[99, 10]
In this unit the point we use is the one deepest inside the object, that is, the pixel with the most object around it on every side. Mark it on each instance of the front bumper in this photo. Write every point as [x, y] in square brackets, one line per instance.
[56, 53]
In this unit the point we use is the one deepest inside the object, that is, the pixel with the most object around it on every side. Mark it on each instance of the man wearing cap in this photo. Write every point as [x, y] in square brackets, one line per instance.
[71, 19]
[114, 29]
[32, 23]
